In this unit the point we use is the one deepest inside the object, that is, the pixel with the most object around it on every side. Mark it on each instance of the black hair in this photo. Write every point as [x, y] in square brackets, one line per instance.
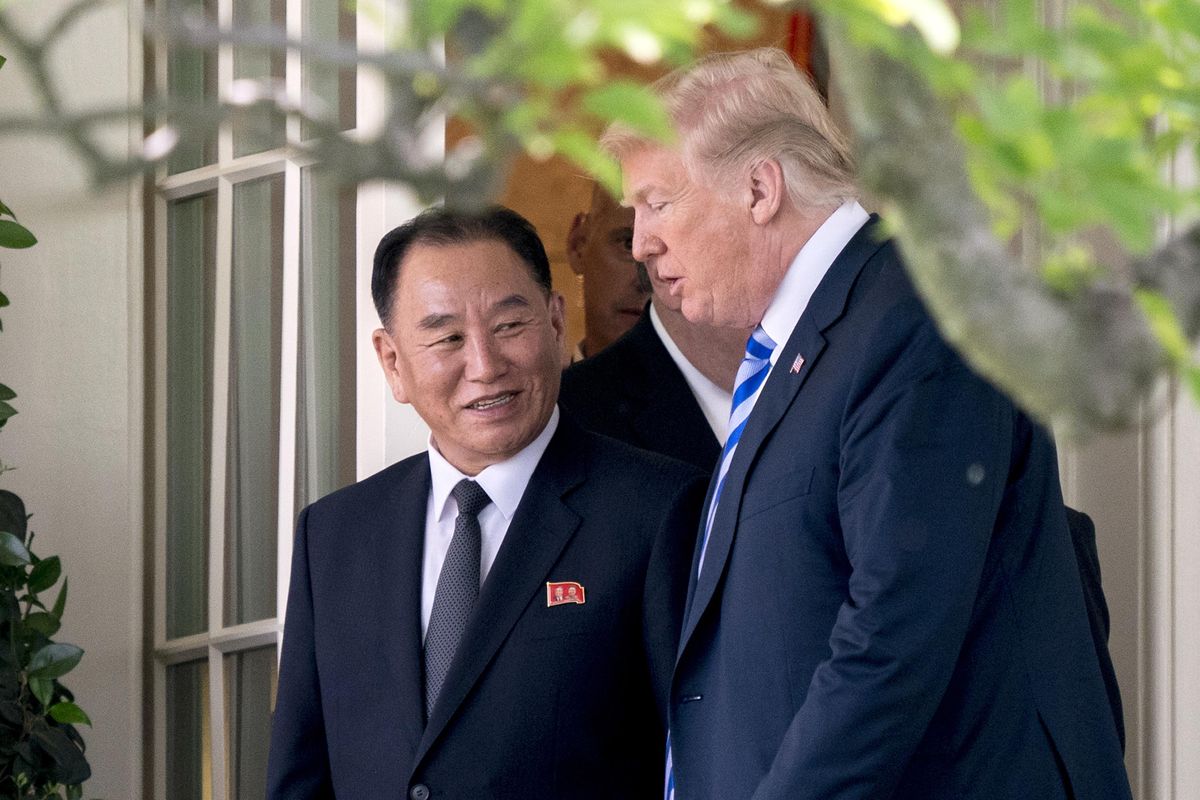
[443, 227]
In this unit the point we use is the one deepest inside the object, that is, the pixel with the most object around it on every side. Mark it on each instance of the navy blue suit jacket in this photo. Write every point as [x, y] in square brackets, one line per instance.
[890, 606]
[633, 391]
[540, 702]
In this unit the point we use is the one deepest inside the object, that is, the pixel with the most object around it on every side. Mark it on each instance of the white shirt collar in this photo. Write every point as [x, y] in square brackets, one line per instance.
[807, 269]
[712, 399]
[504, 481]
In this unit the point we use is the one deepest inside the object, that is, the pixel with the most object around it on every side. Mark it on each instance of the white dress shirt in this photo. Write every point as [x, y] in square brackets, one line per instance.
[714, 401]
[504, 483]
[806, 271]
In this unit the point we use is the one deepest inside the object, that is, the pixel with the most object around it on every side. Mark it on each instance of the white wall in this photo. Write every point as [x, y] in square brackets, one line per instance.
[70, 349]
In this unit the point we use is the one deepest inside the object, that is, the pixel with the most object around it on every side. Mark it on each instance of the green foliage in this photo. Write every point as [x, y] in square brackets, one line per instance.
[1169, 332]
[546, 61]
[41, 752]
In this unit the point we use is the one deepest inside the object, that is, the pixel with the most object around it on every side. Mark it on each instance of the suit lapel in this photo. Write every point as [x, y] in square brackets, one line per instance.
[539, 531]
[795, 364]
[400, 555]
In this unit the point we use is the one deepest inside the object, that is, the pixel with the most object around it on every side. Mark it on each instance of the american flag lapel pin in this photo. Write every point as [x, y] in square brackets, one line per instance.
[797, 364]
[562, 592]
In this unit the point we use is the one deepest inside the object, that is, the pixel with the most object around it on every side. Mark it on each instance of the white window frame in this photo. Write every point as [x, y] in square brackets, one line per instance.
[384, 431]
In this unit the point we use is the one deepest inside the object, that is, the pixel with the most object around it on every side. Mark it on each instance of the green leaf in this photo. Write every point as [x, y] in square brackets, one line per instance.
[42, 688]
[12, 551]
[6, 411]
[3, 299]
[2, 60]
[45, 574]
[15, 236]
[61, 602]
[6, 393]
[43, 622]
[630, 103]
[69, 713]
[7, 211]
[12, 514]
[54, 660]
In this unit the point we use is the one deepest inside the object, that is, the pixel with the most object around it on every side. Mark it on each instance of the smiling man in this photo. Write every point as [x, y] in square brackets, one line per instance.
[496, 617]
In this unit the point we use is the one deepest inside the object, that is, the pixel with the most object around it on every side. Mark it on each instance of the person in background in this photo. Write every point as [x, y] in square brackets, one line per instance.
[429, 648]
[614, 293]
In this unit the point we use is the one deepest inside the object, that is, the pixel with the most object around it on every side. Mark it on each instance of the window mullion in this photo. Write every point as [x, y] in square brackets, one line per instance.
[222, 358]
[289, 358]
[224, 79]
[218, 714]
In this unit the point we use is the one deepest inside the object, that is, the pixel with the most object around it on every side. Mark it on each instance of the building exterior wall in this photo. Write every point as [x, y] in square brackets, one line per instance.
[70, 349]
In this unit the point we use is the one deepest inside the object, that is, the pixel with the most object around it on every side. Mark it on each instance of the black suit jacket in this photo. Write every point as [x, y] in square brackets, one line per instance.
[540, 702]
[633, 391]
[890, 605]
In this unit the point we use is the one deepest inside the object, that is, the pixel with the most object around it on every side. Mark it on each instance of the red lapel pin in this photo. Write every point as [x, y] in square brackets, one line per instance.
[563, 592]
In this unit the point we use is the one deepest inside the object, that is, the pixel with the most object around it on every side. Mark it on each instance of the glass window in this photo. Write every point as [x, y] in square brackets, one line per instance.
[250, 681]
[189, 754]
[256, 130]
[252, 482]
[191, 265]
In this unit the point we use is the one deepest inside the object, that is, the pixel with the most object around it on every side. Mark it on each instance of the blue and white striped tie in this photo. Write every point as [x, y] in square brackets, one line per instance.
[750, 377]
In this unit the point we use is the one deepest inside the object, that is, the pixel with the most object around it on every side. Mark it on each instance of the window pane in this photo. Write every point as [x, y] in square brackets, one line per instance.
[191, 264]
[258, 130]
[250, 679]
[252, 482]
[189, 735]
[325, 404]
[192, 79]
[329, 92]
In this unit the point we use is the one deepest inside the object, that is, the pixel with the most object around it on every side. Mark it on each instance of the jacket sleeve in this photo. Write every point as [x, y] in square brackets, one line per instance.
[925, 454]
[298, 765]
[667, 581]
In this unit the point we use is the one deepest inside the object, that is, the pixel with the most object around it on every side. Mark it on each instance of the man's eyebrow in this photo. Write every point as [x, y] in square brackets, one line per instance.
[435, 321]
[512, 301]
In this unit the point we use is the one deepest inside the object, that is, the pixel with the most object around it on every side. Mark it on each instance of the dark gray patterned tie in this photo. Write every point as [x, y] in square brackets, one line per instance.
[457, 589]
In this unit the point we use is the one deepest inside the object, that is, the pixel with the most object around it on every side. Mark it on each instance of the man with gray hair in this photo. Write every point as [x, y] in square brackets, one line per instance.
[884, 600]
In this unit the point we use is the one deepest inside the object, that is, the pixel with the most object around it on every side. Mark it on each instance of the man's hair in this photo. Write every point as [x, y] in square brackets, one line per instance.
[735, 110]
[441, 227]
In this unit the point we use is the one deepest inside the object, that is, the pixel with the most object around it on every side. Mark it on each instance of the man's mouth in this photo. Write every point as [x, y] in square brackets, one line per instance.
[495, 401]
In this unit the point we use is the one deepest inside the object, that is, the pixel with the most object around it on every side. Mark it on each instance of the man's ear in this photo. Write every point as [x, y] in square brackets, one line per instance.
[576, 239]
[385, 349]
[558, 317]
[766, 190]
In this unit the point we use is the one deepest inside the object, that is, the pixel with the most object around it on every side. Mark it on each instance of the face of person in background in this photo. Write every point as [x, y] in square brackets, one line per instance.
[474, 344]
[599, 249]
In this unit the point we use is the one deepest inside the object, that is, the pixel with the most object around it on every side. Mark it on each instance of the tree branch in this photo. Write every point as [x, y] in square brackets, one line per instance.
[1081, 362]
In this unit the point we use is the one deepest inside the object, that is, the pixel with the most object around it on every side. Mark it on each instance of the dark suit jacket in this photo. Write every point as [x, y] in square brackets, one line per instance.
[632, 391]
[890, 606]
[540, 702]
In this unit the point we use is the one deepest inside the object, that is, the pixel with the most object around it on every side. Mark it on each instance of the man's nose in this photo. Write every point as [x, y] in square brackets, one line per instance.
[484, 360]
[646, 244]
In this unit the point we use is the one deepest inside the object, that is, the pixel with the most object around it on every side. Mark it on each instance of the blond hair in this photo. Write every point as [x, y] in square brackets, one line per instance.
[735, 110]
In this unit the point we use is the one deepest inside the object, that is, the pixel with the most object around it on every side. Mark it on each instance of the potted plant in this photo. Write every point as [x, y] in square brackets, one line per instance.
[41, 752]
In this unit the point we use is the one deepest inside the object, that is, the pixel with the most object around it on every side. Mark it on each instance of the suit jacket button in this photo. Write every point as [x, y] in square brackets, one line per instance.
[419, 792]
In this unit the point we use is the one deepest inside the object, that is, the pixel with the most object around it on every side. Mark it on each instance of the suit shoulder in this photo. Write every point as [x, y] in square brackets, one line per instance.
[599, 370]
[370, 490]
[626, 463]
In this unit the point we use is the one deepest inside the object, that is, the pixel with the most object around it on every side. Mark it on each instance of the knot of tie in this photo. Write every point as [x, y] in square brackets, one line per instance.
[470, 496]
